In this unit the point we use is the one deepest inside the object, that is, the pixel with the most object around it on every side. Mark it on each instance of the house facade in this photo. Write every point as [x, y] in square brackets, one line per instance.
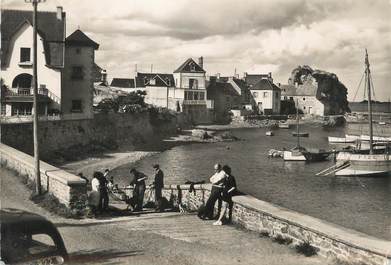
[305, 97]
[64, 83]
[227, 93]
[190, 91]
[266, 96]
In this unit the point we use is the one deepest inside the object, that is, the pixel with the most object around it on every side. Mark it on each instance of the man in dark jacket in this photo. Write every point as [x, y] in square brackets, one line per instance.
[104, 195]
[138, 183]
[158, 185]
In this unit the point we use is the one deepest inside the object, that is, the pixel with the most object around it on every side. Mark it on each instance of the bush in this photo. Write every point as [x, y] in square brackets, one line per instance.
[306, 249]
[282, 240]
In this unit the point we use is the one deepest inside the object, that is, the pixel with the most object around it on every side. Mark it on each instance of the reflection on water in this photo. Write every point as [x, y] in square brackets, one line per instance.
[359, 203]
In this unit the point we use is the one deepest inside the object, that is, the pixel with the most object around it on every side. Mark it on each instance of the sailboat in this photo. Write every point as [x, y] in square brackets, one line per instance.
[299, 153]
[372, 164]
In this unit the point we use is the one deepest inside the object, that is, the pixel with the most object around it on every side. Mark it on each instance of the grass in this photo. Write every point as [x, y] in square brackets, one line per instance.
[306, 249]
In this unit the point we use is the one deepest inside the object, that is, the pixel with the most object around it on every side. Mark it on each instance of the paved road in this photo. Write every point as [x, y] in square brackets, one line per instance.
[157, 238]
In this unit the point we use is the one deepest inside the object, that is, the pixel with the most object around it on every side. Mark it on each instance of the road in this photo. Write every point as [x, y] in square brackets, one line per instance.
[154, 238]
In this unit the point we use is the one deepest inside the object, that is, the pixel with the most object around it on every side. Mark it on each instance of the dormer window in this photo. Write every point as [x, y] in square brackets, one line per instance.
[192, 67]
[152, 81]
[25, 55]
[168, 82]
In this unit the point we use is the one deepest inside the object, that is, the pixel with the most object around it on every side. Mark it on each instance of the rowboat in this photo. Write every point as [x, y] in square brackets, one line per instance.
[343, 140]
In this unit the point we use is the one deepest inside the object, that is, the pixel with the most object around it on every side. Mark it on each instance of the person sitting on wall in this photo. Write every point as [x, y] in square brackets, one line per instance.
[228, 190]
[138, 183]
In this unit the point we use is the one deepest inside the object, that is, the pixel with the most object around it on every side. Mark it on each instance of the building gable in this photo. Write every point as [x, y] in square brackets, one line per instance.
[190, 66]
[50, 28]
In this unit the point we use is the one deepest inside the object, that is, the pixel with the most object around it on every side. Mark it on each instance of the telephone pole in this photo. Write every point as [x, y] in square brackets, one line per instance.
[37, 170]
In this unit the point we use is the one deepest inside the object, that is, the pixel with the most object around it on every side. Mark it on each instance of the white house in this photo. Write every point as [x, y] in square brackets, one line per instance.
[190, 90]
[266, 96]
[63, 65]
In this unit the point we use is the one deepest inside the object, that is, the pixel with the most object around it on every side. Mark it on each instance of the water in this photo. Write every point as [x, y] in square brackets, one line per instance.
[363, 204]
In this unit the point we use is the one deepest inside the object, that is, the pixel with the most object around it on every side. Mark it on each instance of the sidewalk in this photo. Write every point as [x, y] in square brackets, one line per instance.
[156, 238]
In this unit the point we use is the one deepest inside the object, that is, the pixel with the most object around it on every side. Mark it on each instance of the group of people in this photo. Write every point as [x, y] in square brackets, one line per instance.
[102, 184]
[223, 188]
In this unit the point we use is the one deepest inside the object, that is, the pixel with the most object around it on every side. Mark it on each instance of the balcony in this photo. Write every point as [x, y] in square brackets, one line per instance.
[194, 102]
[22, 92]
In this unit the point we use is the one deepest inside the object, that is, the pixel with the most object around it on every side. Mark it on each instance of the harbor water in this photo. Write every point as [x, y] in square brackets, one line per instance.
[362, 204]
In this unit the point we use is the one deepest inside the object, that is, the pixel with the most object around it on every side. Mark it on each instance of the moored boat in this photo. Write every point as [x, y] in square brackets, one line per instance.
[283, 125]
[269, 133]
[343, 140]
[370, 164]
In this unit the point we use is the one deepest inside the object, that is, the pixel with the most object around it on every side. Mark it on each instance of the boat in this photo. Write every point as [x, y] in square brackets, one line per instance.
[302, 134]
[269, 133]
[300, 153]
[375, 138]
[341, 140]
[283, 125]
[372, 164]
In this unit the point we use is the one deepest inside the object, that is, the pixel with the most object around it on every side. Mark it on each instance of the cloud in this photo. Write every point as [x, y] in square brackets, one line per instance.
[249, 35]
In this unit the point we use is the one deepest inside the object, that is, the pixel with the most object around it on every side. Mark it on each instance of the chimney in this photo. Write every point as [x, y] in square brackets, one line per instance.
[104, 76]
[201, 62]
[218, 76]
[244, 74]
[59, 13]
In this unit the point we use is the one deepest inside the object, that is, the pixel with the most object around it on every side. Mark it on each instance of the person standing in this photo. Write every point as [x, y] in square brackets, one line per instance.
[94, 196]
[104, 194]
[158, 185]
[228, 190]
[138, 183]
[215, 193]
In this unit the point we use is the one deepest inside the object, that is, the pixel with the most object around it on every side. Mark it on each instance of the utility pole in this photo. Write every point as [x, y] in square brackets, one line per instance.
[37, 170]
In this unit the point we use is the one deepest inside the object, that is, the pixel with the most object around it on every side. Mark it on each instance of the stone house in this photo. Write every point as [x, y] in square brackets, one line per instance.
[266, 96]
[64, 66]
[227, 93]
[305, 97]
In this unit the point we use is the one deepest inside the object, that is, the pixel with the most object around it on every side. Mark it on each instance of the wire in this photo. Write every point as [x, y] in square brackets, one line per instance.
[358, 87]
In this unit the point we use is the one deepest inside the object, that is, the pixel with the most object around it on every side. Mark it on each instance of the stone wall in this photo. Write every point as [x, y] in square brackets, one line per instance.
[106, 129]
[334, 242]
[66, 187]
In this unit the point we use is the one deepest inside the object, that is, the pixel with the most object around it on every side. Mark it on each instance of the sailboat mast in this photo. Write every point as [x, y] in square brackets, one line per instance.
[297, 123]
[368, 79]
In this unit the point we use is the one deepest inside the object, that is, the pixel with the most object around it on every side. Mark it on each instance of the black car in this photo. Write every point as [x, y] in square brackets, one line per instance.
[28, 238]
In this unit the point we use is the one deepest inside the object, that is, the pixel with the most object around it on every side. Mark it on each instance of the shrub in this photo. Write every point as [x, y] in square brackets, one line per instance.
[306, 249]
[282, 240]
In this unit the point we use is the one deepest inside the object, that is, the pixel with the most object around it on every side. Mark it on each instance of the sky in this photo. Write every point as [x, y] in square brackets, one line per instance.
[253, 36]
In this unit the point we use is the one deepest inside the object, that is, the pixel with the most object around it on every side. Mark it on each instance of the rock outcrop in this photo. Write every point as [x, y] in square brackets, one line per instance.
[325, 85]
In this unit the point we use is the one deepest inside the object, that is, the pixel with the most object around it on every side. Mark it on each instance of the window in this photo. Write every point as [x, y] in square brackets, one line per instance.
[78, 50]
[265, 94]
[152, 82]
[77, 72]
[76, 106]
[304, 99]
[3, 109]
[193, 83]
[192, 67]
[290, 98]
[168, 82]
[202, 96]
[255, 94]
[25, 55]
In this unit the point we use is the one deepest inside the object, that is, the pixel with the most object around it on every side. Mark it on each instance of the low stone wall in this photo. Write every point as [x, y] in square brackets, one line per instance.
[66, 187]
[333, 241]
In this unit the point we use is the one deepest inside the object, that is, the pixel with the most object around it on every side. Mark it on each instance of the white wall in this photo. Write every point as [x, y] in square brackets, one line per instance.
[47, 76]
[183, 79]
[310, 105]
[157, 96]
[270, 99]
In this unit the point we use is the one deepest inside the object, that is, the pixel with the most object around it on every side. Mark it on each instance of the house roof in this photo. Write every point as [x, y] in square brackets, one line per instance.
[122, 82]
[253, 79]
[143, 79]
[78, 38]
[305, 89]
[51, 29]
[264, 84]
[224, 88]
[186, 67]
